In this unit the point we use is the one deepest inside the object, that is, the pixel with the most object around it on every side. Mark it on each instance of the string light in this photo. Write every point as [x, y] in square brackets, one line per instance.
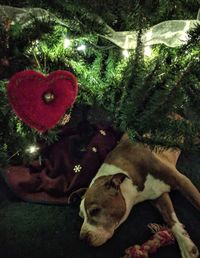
[147, 51]
[66, 43]
[184, 38]
[125, 53]
[32, 149]
[81, 47]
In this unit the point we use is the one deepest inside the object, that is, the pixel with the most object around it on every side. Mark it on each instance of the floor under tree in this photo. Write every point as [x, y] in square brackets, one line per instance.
[30, 230]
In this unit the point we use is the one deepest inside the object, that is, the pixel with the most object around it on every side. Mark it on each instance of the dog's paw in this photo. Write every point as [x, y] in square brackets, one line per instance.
[187, 247]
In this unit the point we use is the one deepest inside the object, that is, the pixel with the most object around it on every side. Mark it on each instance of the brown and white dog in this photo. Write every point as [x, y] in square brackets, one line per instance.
[130, 174]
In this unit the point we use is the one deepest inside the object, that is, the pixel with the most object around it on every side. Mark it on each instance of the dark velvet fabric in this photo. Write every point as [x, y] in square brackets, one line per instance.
[54, 180]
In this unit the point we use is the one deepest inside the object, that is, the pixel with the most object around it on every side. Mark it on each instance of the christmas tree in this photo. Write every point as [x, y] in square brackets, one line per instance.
[136, 62]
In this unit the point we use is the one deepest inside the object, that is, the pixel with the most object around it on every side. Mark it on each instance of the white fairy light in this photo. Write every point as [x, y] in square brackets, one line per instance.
[125, 53]
[35, 43]
[184, 38]
[66, 43]
[147, 51]
[81, 47]
[32, 149]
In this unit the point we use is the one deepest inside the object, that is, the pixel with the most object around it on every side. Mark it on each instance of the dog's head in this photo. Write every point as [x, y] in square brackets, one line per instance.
[102, 208]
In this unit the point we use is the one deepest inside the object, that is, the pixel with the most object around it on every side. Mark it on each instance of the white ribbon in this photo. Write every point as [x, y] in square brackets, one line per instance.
[172, 33]
[26, 16]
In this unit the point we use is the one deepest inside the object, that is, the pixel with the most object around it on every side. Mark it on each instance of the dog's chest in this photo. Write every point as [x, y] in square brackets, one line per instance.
[153, 188]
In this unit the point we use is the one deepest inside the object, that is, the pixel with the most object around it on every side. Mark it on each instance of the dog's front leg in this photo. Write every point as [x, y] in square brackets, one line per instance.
[165, 207]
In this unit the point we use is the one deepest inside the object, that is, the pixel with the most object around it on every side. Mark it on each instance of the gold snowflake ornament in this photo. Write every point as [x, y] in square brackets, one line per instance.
[66, 118]
[94, 149]
[102, 132]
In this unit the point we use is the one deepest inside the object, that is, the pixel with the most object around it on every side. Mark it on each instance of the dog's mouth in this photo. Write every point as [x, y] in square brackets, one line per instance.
[96, 241]
[96, 237]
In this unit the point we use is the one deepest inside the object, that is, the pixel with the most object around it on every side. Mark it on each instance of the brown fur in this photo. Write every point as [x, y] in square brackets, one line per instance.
[109, 197]
[105, 206]
[139, 161]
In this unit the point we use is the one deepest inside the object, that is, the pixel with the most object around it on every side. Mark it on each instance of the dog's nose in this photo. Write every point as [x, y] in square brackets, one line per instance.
[85, 237]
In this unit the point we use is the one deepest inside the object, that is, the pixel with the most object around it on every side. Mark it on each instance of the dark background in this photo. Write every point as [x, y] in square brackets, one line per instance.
[36, 230]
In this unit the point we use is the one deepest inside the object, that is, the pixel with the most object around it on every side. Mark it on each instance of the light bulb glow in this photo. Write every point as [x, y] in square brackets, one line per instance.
[66, 43]
[32, 149]
[125, 53]
[184, 37]
[147, 51]
[81, 48]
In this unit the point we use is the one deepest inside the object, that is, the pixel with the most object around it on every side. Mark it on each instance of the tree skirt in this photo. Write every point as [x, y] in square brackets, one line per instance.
[67, 166]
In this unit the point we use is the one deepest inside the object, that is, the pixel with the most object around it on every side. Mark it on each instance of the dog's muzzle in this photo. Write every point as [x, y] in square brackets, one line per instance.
[96, 236]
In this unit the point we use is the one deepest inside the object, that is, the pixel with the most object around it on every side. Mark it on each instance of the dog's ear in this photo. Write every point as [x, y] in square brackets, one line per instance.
[76, 195]
[115, 181]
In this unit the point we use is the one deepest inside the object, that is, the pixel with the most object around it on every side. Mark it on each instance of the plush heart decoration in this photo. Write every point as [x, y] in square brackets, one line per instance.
[40, 101]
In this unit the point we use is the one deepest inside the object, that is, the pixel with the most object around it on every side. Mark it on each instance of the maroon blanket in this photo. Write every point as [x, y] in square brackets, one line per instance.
[67, 166]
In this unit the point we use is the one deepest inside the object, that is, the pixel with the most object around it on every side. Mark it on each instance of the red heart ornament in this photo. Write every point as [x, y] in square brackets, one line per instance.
[40, 101]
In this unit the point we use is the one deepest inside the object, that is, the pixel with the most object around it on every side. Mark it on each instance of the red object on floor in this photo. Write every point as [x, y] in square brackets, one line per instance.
[162, 237]
[40, 101]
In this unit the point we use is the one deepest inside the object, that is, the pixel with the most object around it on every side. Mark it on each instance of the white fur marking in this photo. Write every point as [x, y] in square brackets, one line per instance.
[98, 235]
[83, 212]
[153, 188]
[104, 170]
[130, 193]
[185, 243]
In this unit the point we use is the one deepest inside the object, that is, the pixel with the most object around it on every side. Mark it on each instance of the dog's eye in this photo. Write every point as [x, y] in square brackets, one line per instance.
[94, 212]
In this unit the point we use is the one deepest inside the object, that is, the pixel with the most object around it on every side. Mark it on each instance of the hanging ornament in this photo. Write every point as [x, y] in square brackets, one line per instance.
[40, 101]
